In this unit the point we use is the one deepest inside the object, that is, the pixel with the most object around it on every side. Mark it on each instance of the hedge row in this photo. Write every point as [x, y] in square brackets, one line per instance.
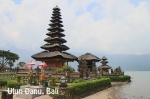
[77, 90]
[13, 84]
[10, 84]
[122, 78]
[3, 83]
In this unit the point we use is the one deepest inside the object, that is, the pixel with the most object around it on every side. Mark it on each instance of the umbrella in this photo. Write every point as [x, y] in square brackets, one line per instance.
[43, 64]
[30, 63]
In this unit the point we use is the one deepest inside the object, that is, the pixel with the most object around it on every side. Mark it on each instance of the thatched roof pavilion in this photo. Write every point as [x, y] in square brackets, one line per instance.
[89, 57]
[90, 61]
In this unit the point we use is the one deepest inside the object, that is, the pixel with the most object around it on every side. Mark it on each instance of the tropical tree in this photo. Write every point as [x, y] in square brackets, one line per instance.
[7, 57]
[11, 64]
[17, 69]
[65, 68]
[21, 64]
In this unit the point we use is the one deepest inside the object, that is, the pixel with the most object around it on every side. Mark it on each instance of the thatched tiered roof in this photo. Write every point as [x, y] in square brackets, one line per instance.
[104, 67]
[54, 54]
[55, 47]
[89, 57]
[104, 64]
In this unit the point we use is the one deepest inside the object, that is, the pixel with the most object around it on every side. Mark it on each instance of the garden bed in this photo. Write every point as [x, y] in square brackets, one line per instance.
[83, 89]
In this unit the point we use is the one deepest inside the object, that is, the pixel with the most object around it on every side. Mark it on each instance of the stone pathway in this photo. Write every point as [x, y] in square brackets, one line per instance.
[40, 97]
[44, 97]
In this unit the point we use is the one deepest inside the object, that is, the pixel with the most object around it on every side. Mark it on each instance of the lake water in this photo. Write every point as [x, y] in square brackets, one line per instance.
[139, 88]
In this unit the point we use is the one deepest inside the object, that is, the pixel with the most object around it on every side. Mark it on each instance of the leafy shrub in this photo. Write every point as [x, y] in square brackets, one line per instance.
[67, 67]
[123, 78]
[59, 70]
[98, 77]
[3, 83]
[64, 68]
[78, 80]
[18, 78]
[72, 80]
[53, 81]
[12, 84]
[57, 80]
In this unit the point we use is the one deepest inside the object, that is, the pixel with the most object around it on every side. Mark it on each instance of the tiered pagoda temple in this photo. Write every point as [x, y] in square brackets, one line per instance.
[104, 68]
[55, 54]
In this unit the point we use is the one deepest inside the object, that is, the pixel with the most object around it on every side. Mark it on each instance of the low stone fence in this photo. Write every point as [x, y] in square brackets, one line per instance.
[72, 75]
[92, 75]
[55, 75]
[75, 75]
[7, 75]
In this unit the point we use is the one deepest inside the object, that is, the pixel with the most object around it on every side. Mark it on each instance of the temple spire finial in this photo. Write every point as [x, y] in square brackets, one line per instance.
[57, 6]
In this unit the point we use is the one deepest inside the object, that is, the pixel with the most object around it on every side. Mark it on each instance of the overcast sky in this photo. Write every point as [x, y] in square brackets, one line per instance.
[96, 26]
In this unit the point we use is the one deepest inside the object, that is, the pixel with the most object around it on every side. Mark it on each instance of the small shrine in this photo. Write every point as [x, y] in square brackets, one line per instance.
[104, 68]
[90, 61]
[87, 64]
[55, 54]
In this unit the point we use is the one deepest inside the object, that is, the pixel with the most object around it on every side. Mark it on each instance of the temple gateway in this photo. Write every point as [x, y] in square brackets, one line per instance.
[55, 54]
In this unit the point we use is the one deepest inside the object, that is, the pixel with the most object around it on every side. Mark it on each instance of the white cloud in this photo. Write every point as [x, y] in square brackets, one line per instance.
[123, 28]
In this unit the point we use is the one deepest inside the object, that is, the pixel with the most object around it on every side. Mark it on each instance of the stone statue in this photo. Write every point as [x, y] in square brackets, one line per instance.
[83, 69]
[30, 76]
[42, 76]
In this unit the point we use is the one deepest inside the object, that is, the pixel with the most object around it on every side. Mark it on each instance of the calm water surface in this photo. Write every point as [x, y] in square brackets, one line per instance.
[139, 88]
